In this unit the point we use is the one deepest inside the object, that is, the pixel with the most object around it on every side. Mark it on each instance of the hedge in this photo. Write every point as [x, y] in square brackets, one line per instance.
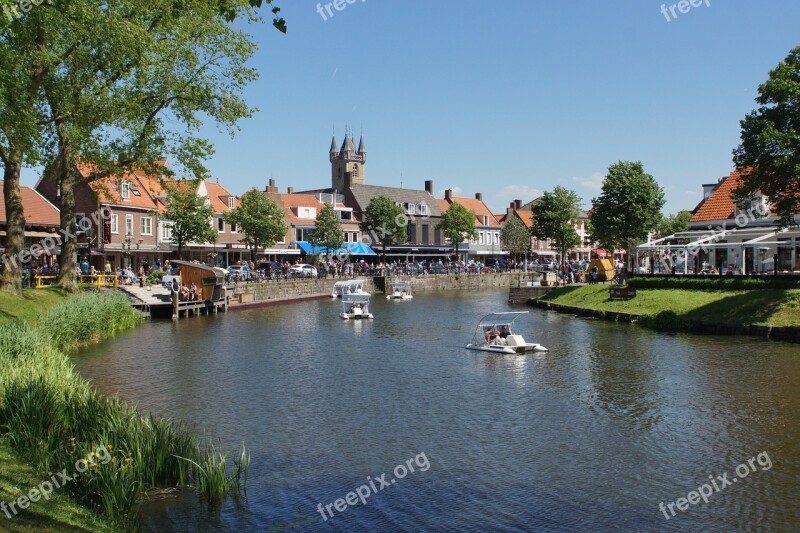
[714, 283]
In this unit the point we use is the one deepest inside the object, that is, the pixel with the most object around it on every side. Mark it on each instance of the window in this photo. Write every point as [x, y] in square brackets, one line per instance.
[425, 235]
[346, 236]
[128, 224]
[411, 234]
[301, 234]
[114, 223]
[146, 226]
[233, 228]
[423, 209]
[485, 220]
[480, 237]
[497, 237]
[411, 208]
[125, 192]
[231, 201]
[166, 231]
[221, 224]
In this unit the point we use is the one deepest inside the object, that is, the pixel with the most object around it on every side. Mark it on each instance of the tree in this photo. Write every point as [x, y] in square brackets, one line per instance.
[260, 219]
[769, 153]
[327, 232]
[385, 222]
[555, 215]
[628, 209]
[457, 224]
[190, 215]
[672, 224]
[515, 238]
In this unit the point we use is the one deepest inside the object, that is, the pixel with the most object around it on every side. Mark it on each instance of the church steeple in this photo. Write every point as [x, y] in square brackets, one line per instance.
[347, 163]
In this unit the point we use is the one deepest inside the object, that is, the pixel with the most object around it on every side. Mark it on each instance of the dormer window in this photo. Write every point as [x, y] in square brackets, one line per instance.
[231, 200]
[125, 191]
[423, 209]
[485, 220]
[411, 208]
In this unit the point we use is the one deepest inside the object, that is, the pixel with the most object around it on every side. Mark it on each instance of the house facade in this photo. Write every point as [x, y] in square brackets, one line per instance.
[487, 244]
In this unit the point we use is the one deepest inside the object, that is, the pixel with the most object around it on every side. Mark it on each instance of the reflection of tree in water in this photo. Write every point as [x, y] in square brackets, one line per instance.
[623, 379]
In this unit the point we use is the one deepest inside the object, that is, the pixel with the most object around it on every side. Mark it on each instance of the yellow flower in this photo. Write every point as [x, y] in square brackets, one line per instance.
[128, 459]
[114, 460]
[110, 447]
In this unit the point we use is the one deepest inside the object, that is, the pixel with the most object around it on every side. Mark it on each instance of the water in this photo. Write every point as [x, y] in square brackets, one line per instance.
[592, 435]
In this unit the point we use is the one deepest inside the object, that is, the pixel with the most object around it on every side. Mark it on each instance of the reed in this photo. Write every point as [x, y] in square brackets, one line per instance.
[52, 417]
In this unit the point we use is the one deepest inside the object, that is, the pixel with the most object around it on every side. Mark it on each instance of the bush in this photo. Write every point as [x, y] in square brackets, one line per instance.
[155, 277]
[713, 283]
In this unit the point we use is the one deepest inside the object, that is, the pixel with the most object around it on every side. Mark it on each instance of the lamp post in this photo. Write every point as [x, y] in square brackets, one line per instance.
[126, 249]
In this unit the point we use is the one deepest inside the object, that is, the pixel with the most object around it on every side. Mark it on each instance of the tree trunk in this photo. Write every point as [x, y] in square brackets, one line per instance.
[15, 227]
[67, 175]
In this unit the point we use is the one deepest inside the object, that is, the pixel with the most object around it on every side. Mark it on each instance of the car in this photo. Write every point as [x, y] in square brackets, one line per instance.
[303, 270]
[240, 273]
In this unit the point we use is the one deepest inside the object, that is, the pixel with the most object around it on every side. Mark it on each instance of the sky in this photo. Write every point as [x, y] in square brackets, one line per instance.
[508, 98]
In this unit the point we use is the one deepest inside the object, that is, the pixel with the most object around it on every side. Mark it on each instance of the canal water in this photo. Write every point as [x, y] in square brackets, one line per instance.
[590, 436]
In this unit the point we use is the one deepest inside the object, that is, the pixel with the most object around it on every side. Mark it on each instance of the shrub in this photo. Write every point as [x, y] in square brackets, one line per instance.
[713, 283]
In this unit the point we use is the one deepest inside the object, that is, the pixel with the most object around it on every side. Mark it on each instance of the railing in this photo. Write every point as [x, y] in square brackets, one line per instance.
[84, 280]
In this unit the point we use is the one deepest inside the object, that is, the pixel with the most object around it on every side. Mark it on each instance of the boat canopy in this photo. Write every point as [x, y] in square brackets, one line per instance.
[355, 298]
[500, 319]
[401, 285]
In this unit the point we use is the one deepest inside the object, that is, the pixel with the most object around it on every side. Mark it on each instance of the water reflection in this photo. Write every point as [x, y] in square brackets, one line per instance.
[591, 435]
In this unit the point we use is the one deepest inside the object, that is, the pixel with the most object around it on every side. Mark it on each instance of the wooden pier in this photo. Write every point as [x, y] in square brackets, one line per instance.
[160, 302]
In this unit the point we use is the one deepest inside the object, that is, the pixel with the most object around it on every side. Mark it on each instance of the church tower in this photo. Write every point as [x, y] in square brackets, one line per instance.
[347, 163]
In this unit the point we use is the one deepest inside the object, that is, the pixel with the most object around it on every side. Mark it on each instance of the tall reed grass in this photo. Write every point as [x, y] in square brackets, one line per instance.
[52, 417]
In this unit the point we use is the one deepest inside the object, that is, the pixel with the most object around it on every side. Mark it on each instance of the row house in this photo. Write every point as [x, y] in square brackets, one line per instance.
[544, 248]
[42, 221]
[487, 244]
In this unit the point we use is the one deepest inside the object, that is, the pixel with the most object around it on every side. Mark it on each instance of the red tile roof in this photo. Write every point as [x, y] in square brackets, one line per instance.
[292, 201]
[38, 211]
[480, 210]
[720, 205]
[219, 197]
[526, 216]
[109, 189]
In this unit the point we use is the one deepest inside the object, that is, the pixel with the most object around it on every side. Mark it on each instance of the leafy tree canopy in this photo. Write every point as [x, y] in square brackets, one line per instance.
[327, 233]
[458, 224]
[260, 219]
[515, 237]
[555, 215]
[190, 215]
[769, 152]
[385, 222]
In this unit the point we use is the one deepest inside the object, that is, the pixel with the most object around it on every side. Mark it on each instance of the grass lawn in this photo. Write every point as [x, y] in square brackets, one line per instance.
[57, 514]
[31, 306]
[769, 307]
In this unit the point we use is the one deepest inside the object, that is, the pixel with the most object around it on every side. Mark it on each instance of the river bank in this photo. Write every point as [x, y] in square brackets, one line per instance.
[767, 313]
[53, 419]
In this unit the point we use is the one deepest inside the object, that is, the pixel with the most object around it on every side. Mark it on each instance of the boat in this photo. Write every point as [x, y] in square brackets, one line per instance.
[401, 290]
[350, 286]
[355, 307]
[513, 342]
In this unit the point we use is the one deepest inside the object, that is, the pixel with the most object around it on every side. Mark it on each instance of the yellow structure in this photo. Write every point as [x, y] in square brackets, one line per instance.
[605, 269]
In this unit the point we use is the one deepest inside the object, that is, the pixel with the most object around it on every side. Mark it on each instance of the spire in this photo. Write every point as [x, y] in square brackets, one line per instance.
[333, 144]
[362, 148]
[348, 148]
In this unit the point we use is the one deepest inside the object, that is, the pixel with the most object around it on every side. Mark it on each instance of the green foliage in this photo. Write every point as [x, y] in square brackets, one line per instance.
[668, 321]
[52, 417]
[770, 142]
[190, 215]
[385, 222]
[628, 208]
[155, 277]
[327, 233]
[555, 216]
[515, 237]
[713, 283]
[260, 219]
[672, 224]
[457, 225]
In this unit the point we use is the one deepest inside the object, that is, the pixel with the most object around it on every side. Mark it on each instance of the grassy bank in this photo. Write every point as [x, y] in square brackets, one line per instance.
[31, 307]
[767, 307]
[51, 419]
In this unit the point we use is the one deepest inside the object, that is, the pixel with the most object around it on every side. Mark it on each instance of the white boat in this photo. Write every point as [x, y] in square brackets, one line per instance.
[401, 290]
[494, 334]
[350, 286]
[355, 307]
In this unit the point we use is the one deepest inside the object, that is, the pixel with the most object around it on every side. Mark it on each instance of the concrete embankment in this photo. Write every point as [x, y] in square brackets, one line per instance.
[249, 295]
[775, 333]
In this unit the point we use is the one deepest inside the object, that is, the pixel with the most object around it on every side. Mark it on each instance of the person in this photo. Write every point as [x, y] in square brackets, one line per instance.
[175, 286]
[107, 269]
[193, 292]
[84, 267]
[492, 335]
[504, 333]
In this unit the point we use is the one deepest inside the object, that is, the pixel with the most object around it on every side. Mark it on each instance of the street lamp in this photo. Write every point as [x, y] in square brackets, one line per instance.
[126, 249]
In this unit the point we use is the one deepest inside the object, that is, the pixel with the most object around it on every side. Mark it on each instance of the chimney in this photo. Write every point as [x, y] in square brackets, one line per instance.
[429, 186]
[272, 182]
[517, 204]
[512, 205]
[479, 196]
[271, 188]
[290, 190]
[448, 194]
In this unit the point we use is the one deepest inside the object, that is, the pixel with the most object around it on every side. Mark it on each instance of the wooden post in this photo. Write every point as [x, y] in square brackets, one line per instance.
[175, 315]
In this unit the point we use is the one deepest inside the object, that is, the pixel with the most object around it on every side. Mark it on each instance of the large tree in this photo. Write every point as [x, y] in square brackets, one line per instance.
[672, 224]
[555, 215]
[123, 81]
[457, 225]
[515, 238]
[769, 153]
[190, 216]
[327, 232]
[628, 208]
[385, 222]
[260, 219]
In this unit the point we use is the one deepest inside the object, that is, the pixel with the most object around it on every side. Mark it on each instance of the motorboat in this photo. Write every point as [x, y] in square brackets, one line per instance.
[401, 290]
[494, 334]
[355, 307]
[350, 286]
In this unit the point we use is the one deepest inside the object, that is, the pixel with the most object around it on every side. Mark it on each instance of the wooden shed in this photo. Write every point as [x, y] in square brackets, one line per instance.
[605, 269]
[208, 280]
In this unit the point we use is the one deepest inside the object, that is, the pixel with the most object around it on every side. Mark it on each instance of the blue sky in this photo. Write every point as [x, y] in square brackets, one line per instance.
[508, 97]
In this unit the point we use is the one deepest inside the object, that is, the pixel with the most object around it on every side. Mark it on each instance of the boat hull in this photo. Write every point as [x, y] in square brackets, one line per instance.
[363, 316]
[497, 348]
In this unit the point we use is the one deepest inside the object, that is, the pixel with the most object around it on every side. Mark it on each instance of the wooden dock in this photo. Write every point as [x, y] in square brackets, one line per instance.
[158, 301]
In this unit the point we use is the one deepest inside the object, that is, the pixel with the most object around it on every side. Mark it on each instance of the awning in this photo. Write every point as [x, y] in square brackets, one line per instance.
[552, 254]
[351, 248]
[34, 234]
[280, 251]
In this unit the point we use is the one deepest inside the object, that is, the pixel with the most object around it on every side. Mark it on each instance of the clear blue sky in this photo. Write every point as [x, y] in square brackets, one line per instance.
[506, 97]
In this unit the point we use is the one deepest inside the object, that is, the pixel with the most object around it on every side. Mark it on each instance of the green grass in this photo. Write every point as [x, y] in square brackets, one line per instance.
[51, 417]
[768, 307]
[31, 307]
